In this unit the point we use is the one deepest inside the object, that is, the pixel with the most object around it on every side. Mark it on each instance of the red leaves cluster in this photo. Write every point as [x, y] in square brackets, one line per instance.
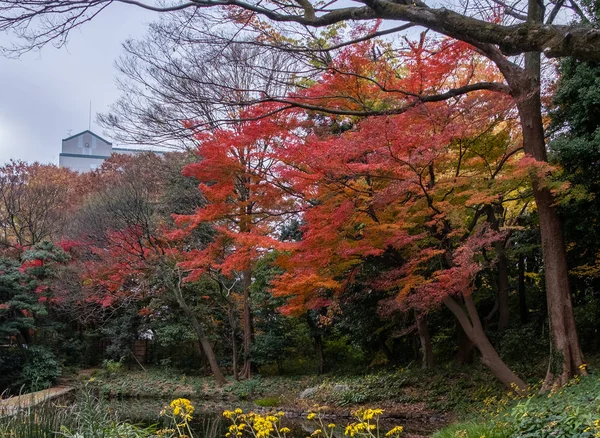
[242, 177]
[410, 181]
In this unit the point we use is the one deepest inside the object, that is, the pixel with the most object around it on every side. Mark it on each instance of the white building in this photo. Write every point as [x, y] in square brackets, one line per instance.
[87, 151]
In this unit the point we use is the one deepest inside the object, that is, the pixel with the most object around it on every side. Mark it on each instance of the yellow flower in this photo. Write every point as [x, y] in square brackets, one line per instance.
[354, 428]
[395, 431]
[284, 430]
[316, 432]
[368, 414]
[311, 416]
[331, 425]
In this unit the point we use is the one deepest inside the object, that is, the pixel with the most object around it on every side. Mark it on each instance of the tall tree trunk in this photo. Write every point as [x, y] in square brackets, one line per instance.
[471, 324]
[247, 325]
[206, 347]
[523, 310]
[234, 348]
[565, 352]
[425, 338]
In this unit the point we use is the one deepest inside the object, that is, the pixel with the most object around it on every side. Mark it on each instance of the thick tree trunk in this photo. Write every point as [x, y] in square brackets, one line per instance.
[566, 357]
[471, 324]
[247, 326]
[523, 310]
[565, 353]
[206, 347]
[425, 338]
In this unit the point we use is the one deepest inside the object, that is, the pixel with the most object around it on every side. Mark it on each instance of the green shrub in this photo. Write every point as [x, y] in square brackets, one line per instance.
[113, 366]
[41, 369]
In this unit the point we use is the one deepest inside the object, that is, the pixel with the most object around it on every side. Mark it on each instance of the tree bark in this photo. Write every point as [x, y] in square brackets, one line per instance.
[247, 325]
[206, 347]
[471, 324]
[566, 357]
[523, 310]
[425, 338]
[234, 348]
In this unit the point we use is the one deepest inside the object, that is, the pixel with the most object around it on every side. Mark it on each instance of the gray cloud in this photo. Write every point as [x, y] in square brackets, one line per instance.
[45, 96]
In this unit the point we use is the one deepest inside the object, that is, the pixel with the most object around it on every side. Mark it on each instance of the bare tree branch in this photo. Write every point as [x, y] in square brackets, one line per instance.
[41, 22]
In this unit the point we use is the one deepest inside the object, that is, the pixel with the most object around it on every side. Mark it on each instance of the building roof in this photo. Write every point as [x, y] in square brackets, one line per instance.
[137, 150]
[87, 131]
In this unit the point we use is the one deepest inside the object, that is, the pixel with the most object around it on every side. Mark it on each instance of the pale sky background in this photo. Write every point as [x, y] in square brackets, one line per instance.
[45, 95]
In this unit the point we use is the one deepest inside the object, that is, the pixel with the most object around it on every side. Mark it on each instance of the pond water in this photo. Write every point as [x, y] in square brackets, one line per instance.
[209, 423]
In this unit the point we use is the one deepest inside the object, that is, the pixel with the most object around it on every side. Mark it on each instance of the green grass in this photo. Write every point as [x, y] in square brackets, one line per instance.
[42, 421]
[87, 418]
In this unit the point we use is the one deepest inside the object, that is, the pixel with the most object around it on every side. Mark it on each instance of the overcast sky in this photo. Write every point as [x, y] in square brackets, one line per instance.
[45, 96]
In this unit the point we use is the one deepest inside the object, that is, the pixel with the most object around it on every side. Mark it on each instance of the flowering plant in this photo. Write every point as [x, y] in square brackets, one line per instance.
[258, 426]
[180, 412]
[269, 425]
[366, 424]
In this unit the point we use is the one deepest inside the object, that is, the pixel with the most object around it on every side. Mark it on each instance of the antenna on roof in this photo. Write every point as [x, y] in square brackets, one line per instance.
[90, 118]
